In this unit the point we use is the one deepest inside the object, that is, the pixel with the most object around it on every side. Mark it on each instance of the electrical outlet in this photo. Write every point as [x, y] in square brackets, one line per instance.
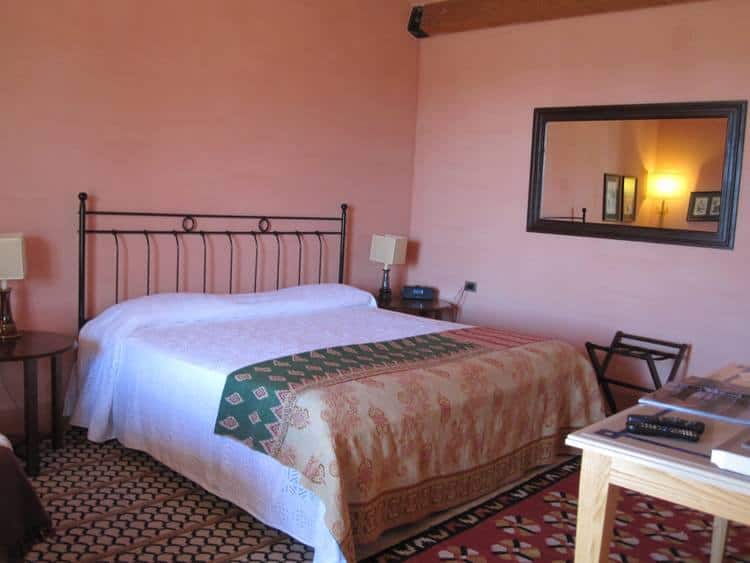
[470, 286]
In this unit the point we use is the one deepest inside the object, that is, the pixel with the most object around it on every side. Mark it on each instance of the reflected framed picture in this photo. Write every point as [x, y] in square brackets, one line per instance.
[704, 206]
[629, 198]
[714, 208]
[612, 198]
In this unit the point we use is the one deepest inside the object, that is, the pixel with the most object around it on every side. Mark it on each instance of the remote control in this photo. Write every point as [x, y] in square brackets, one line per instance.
[674, 422]
[662, 431]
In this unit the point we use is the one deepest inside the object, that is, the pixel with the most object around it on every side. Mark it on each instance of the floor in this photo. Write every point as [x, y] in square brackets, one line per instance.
[109, 503]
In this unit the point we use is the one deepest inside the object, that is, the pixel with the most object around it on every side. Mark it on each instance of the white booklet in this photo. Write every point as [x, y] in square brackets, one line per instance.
[734, 454]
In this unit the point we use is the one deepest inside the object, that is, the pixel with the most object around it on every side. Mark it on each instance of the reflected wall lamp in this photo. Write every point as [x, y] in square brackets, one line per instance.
[664, 186]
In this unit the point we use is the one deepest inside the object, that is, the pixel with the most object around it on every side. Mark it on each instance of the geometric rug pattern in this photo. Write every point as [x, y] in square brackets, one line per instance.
[536, 521]
[108, 503]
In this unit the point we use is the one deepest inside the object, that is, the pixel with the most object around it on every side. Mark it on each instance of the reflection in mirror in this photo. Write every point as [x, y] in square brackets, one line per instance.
[654, 172]
[641, 172]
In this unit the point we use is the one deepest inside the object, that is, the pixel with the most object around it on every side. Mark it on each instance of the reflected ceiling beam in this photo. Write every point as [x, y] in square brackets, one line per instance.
[450, 16]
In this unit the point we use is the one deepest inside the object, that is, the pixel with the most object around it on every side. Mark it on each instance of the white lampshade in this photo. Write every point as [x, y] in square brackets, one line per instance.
[388, 249]
[12, 257]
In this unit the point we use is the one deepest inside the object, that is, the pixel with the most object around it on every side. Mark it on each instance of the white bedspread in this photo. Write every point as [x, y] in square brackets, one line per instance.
[152, 371]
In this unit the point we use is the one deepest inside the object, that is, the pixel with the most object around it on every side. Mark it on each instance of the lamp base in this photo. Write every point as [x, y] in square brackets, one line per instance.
[384, 295]
[8, 330]
[11, 336]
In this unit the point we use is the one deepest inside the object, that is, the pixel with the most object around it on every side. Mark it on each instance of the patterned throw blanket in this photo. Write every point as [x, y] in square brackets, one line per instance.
[388, 432]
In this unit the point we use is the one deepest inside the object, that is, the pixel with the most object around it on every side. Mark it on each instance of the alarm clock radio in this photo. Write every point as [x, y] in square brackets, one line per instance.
[417, 292]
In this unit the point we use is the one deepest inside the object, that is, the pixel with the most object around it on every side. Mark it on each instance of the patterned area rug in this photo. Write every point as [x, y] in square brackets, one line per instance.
[536, 521]
[108, 503]
[112, 504]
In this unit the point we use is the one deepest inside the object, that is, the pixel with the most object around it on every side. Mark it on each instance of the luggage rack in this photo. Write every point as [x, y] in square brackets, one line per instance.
[649, 350]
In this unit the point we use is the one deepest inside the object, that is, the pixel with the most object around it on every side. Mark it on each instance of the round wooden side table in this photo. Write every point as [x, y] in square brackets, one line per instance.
[29, 348]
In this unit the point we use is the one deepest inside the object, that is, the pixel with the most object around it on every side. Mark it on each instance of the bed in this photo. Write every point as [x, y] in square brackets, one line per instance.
[380, 447]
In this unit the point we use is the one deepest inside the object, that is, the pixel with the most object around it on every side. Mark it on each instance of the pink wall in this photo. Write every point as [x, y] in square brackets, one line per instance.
[700, 161]
[235, 106]
[303, 105]
[477, 92]
[578, 155]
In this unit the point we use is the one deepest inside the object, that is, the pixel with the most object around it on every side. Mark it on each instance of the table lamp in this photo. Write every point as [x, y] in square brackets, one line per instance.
[12, 267]
[388, 250]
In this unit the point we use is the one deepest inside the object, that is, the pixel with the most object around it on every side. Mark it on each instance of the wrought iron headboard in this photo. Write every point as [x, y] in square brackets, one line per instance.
[572, 217]
[188, 228]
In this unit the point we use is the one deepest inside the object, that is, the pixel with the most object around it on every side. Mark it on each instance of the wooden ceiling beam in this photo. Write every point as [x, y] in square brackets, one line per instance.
[450, 16]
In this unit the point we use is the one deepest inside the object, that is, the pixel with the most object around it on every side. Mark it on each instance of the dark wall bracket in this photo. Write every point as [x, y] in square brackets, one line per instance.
[415, 23]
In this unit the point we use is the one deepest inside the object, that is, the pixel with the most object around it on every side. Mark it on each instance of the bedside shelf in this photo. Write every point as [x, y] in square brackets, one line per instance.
[435, 309]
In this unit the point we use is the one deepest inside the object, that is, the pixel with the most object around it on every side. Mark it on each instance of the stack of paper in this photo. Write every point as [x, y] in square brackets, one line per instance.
[734, 454]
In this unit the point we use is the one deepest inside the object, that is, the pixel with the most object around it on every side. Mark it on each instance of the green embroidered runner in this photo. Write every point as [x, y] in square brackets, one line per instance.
[259, 401]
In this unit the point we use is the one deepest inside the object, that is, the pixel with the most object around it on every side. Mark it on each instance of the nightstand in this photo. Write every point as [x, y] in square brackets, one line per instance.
[436, 309]
[29, 348]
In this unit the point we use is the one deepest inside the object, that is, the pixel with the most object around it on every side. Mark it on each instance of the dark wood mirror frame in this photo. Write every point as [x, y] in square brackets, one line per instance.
[735, 113]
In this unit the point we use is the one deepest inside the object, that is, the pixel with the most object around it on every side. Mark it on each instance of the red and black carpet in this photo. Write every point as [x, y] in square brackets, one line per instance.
[535, 522]
[108, 503]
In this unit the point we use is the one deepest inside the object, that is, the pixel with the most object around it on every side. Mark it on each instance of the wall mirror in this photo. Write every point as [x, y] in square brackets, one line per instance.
[665, 173]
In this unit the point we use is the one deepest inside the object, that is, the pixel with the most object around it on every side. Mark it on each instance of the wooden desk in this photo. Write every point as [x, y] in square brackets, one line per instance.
[673, 470]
